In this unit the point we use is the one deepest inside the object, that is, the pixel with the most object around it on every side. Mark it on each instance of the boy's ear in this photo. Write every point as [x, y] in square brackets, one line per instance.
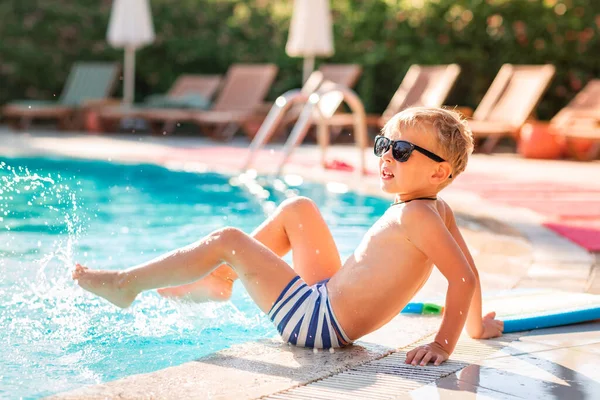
[441, 173]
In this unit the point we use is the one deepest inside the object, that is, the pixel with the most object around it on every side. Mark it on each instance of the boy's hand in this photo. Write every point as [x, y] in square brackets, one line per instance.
[491, 327]
[424, 354]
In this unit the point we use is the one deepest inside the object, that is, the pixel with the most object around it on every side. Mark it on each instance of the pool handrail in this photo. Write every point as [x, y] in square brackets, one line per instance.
[311, 110]
[272, 121]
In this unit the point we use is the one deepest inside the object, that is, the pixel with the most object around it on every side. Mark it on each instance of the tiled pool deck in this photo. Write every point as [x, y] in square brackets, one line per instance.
[511, 247]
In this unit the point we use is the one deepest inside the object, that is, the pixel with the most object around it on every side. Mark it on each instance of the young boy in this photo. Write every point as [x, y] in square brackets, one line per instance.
[320, 303]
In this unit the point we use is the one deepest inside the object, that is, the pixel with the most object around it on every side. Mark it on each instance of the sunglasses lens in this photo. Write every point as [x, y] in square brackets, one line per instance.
[401, 151]
[382, 144]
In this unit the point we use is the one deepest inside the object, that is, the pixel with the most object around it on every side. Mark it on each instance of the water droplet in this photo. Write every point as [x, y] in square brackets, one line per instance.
[463, 279]
[317, 251]
[446, 340]
[233, 252]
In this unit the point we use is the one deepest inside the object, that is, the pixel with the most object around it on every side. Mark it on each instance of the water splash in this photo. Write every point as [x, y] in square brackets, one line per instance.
[60, 337]
[31, 203]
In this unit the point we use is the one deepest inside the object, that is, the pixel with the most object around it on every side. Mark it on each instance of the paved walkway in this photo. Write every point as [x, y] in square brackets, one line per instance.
[512, 245]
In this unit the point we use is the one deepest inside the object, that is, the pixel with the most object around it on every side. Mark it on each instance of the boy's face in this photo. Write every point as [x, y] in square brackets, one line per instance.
[415, 174]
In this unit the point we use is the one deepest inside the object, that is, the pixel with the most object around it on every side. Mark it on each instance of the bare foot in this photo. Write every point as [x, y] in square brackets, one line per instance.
[209, 288]
[105, 284]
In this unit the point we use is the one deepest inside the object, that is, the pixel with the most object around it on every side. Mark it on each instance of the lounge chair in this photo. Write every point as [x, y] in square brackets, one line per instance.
[342, 74]
[580, 119]
[421, 86]
[243, 90]
[87, 82]
[245, 87]
[510, 100]
[163, 111]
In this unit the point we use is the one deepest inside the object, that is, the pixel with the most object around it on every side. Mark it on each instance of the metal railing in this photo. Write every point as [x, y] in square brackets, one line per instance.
[311, 112]
[282, 104]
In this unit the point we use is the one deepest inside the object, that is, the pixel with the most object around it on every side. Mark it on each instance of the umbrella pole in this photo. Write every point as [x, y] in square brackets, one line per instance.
[307, 68]
[129, 75]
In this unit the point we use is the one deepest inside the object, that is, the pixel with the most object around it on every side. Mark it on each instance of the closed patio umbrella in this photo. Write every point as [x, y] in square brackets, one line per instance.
[311, 33]
[130, 27]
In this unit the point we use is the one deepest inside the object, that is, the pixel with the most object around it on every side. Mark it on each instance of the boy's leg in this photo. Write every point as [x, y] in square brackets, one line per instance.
[262, 272]
[296, 225]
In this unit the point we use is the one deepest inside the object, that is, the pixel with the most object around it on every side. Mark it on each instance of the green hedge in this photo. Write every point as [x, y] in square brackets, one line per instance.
[39, 40]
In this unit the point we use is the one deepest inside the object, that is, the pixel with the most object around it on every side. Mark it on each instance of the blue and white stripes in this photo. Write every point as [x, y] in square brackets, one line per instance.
[303, 316]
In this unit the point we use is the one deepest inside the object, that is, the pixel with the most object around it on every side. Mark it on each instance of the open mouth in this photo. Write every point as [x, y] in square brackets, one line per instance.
[386, 174]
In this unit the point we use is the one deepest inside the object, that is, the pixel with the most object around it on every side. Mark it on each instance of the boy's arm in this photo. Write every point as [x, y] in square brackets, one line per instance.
[428, 232]
[477, 327]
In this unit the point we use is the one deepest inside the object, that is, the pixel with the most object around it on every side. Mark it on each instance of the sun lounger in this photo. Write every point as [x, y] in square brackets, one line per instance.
[243, 90]
[87, 82]
[510, 100]
[421, 86]
[162, 112]
[342, 74]
[580, 119]
[245, 87]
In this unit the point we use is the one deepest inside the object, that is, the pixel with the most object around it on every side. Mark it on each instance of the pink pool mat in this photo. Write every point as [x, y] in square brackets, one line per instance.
[585, 233]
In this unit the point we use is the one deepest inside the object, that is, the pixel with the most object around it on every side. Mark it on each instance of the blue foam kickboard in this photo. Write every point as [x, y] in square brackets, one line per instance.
[529, 309]
[550, 319]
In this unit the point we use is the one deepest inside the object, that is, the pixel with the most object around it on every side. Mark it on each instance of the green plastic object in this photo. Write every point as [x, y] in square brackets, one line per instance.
[423, 309]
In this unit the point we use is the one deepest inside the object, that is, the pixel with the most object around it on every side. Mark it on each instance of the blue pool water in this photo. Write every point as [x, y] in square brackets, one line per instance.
[54, 212]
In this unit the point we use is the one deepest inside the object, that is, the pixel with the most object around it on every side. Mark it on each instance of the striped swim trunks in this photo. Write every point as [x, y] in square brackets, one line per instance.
[303, 316]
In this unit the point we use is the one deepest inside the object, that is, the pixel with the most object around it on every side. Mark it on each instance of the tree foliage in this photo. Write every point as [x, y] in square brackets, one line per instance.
[40, 39]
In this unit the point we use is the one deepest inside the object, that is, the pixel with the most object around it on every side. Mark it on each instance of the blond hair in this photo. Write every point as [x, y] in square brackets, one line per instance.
[454, 138]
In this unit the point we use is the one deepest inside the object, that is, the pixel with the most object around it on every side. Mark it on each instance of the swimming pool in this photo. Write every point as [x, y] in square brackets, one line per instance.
[54, 212]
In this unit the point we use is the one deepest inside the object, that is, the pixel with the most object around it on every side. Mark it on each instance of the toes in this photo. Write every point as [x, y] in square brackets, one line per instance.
[78, 271]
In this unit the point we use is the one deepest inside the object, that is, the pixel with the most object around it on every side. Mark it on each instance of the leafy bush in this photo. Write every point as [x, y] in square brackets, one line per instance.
[39, 40]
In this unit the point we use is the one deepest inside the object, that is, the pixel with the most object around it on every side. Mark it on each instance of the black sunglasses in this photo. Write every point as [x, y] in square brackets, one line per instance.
[401, 149]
